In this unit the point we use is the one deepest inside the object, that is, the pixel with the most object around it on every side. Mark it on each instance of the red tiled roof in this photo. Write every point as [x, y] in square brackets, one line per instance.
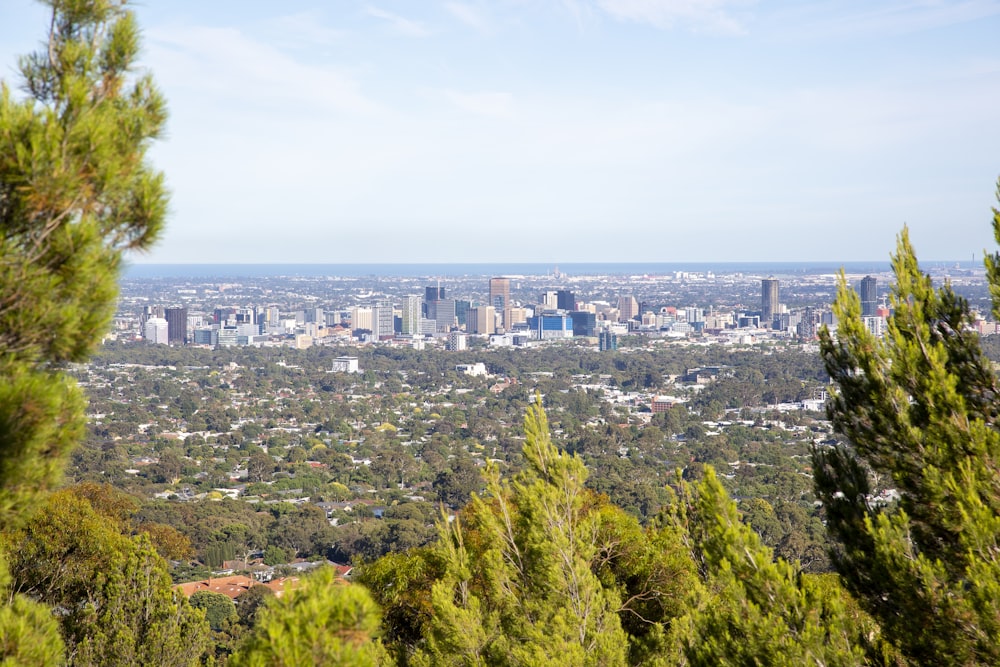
[231, 587]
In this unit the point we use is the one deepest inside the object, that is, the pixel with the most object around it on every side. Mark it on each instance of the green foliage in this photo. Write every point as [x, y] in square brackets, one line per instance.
[456, 485]
[919, 410]
[754, 609]
[137, 618]
[220, 611]
[519, 586]
[116, 603]
[401, 584]
[29, 634]
[274, 555]
[250, 602]
[75, 192]
[323, 622]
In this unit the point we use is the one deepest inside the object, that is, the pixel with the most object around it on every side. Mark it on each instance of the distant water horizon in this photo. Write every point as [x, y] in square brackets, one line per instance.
[570, 269]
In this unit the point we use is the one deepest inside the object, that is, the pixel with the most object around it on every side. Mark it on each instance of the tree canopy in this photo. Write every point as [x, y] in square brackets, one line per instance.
[76, 192]
[919, 408]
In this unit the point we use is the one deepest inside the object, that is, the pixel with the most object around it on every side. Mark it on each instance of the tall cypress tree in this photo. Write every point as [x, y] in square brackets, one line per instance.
[919, 408]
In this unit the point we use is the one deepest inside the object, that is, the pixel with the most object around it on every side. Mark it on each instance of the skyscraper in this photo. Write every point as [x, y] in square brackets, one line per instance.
[500, 298]
[381, 319]
[628, 308]
[444, 315]
[768, 301]
[565, 300]
[584, 323]
[869, 296]
[462, 312]
[483, 319]
[431, 297]
[411, 315]
[156, 330]
[177, 324]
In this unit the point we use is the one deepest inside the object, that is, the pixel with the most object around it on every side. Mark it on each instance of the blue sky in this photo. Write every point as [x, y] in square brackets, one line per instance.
[569, 130]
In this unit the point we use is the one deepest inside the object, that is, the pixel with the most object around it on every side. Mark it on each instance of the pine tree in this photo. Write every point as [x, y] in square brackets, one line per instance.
[919, 408]
[542, 571]
[753, 609]
[75, 193]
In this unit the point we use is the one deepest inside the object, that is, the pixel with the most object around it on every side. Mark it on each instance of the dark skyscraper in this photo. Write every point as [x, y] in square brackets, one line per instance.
[768, 301]
[869, 296]
[607, 341]
[177, 322]
[431, 297]
[584, 323]
[565, 300]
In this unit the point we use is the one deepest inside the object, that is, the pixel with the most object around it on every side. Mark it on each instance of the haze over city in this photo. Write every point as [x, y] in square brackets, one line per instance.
[612, 130]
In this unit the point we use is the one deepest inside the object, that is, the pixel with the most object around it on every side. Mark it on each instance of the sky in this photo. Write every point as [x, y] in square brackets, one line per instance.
[563, 131]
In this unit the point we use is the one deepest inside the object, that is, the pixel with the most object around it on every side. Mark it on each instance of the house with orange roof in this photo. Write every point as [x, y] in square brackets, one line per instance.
[231, 587]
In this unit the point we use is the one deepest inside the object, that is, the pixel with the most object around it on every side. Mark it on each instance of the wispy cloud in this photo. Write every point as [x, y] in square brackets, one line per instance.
[717, 16]
[400, 24]
[469, 15]
[226, 65]
[301, 29]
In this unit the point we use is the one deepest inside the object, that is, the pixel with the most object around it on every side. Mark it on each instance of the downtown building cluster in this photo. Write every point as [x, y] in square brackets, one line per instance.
[503, 311]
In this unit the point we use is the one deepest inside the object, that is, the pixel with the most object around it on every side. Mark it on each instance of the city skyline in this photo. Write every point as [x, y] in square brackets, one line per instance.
[532, 132]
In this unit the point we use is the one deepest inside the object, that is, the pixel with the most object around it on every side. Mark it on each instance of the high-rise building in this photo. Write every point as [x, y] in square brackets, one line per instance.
[411, 315]
[361, 318]
[462, 312]
[550, 300]
[628, 308]
[177, 324]
[222, 315]
[381, 319]
[768, 301]
[546, 327]
[565, 300]
[694, 314]
[500, 298]
[431, 297]
[156, 331]
[444, 315]
[482, 320]
[869, 296]
[456, 342]
[269, 318]
[584, 323]
[607, 341]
